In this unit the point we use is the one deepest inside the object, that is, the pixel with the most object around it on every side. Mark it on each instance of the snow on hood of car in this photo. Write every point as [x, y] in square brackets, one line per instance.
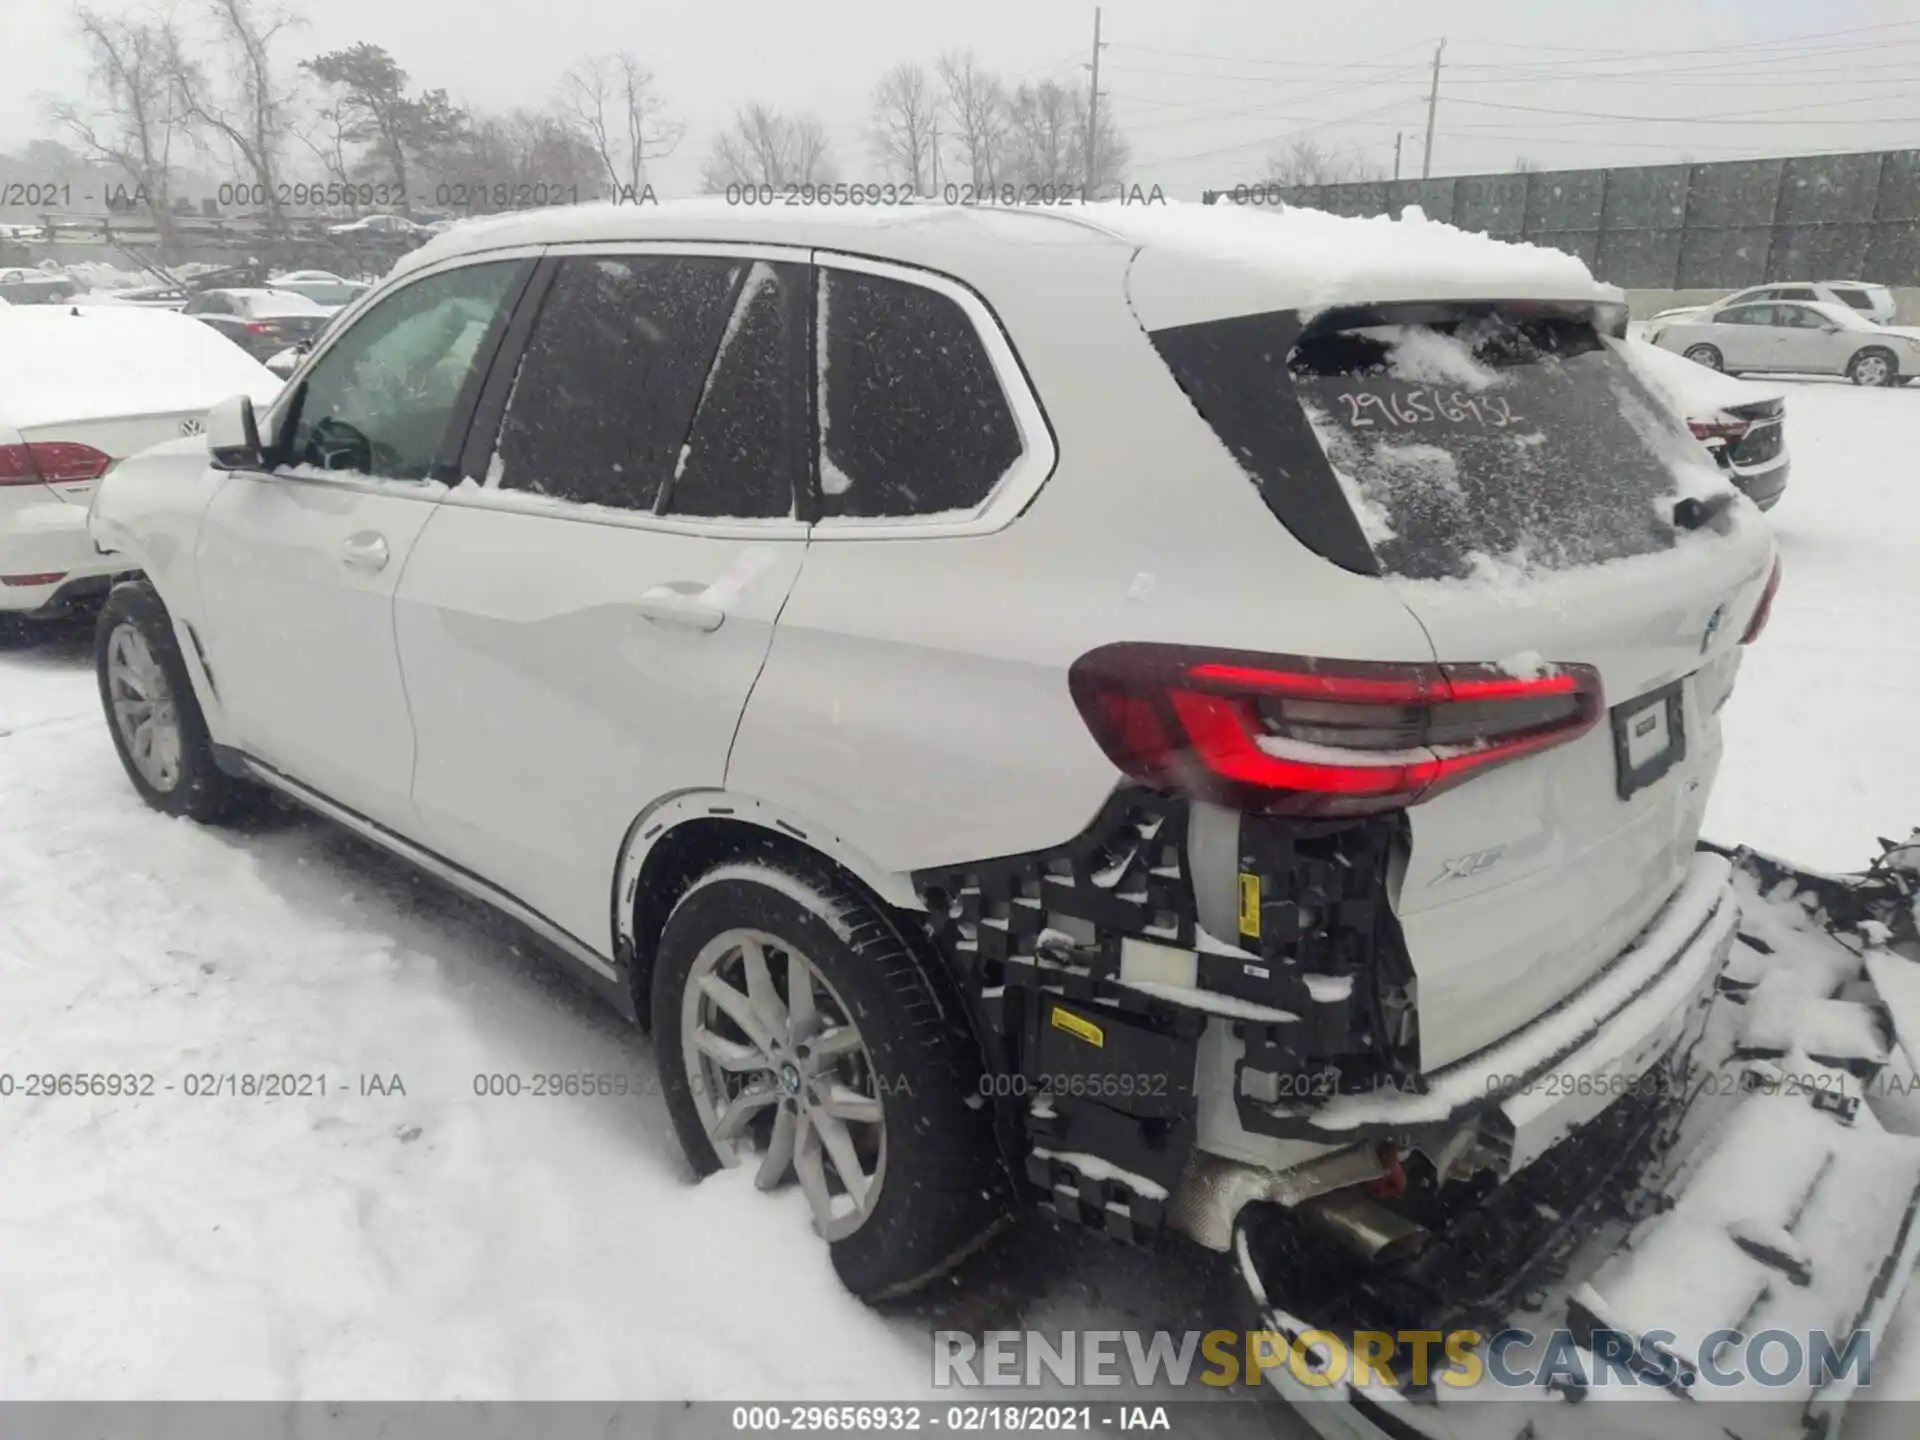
[60, 363]
[1251, 261]
[1692, 389]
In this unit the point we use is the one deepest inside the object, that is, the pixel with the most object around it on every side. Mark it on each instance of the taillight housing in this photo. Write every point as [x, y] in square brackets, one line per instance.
[1730, 430]
[51, 462]
[1281, 734]
[1764, 610]
[262, 327]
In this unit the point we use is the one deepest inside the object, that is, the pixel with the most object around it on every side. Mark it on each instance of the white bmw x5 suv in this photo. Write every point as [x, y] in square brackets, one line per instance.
[1153, 711]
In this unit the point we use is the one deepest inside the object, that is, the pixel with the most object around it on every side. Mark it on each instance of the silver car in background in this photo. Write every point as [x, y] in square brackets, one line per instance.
[1793, 338]
[1875, 302]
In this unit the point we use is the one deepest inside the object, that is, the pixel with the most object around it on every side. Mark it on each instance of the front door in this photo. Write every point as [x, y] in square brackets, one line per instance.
[579, 635]
[297, 564]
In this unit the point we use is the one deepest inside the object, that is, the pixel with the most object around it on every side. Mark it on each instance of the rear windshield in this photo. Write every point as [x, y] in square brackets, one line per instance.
[1463, 444]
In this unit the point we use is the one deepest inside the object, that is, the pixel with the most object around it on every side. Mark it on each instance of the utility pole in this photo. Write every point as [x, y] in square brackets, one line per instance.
[936, 158]
[1433, 105]
[1093, 112]
[1397, 137]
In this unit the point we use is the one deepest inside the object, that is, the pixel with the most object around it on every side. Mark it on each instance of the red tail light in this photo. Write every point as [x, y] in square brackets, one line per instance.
[262, 327]
[1729, 430]
[1294, 736]
[51, 462]
[1764, 610]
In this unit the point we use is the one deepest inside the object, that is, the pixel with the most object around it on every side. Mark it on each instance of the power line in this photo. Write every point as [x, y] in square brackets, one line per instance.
[1240, 112]
[1727, 118]
[1362, 116]
[1701, 50]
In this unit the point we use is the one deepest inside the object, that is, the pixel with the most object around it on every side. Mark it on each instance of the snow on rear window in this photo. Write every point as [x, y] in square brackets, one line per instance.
[1490, 446]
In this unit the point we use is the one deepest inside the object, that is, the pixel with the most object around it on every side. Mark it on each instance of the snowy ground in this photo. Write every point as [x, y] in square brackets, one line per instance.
[440, 1244]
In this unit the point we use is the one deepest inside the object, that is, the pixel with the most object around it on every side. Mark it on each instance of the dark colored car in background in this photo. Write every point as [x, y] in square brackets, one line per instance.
[262, 322]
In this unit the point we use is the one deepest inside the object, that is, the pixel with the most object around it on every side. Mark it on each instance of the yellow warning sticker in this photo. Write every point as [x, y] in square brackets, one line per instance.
[1250, 905]
[1080, 1028]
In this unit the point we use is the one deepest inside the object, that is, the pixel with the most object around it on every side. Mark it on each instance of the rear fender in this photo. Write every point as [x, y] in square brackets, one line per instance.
[666, 815]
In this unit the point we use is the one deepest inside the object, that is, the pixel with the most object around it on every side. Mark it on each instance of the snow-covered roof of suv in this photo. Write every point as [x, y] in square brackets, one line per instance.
[1197, 262]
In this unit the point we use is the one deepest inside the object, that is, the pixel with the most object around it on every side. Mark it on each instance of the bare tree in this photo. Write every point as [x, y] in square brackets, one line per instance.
[612, 100]
[769, 147]
[906, 117]
[1046, 136]
[526, 153]
[328, 135]
[252, 112]
[134, 112]
[976, 105]
[1305, 163]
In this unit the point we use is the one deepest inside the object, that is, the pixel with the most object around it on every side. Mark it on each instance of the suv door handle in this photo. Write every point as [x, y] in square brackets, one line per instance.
[364, 551]
[682, 603]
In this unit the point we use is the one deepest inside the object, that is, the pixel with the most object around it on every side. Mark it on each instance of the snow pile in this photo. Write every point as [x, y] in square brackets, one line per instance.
[437, 1243]
[61, 363]
[1308, 260]
[1819, 754]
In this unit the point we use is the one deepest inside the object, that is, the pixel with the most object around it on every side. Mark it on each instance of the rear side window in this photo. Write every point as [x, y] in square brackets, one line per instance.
[748, 435]
[1858, 299]
[611, 375]
[1446, 447]
[913, 421]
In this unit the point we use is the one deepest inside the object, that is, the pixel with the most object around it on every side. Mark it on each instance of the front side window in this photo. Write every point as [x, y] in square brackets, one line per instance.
[612, 374]
[1746, 315]
[912, 418]
[380, 401]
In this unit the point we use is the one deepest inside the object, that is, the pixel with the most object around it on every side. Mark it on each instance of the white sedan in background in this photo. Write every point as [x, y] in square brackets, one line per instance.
[82, 388]
[1785, 337]
[1874, 302]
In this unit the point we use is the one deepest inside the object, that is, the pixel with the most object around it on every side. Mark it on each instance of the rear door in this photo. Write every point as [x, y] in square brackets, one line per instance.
[1519, 486]
[580, 628]
[1812, 342]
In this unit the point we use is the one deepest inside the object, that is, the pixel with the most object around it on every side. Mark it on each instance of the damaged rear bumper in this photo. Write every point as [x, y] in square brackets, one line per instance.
[1764, 1193]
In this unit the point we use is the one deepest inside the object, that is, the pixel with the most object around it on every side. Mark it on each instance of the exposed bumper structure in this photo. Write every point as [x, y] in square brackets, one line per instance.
[1772, 1189]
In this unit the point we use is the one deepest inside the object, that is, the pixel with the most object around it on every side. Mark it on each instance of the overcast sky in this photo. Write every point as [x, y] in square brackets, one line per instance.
[1204, 89]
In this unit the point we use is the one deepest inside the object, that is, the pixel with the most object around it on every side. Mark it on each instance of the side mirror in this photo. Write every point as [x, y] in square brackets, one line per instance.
[233, 435]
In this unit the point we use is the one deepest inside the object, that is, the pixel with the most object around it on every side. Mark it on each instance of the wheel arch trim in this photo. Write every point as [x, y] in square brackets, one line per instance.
[671, 812]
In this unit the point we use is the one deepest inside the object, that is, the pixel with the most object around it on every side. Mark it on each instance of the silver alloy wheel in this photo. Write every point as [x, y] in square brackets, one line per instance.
[1871, 370]
[778, 1068]
[1705, 355]
[143, 707]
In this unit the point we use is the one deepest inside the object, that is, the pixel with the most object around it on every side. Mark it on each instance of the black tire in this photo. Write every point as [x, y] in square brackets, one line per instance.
[202, 791]
[943, 1192]
[1707, 355]
[1874, 352]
